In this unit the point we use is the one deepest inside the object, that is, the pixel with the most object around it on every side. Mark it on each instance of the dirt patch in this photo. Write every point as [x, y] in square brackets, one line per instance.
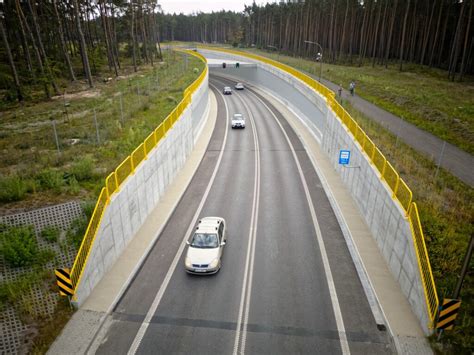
[78, 95]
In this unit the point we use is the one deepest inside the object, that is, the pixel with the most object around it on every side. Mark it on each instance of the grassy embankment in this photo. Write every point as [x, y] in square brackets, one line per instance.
[34, 174]
[446, 204]
[32, 171]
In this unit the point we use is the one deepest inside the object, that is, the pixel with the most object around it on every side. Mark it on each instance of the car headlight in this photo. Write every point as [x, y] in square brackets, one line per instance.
[188, 262]
[214, 263]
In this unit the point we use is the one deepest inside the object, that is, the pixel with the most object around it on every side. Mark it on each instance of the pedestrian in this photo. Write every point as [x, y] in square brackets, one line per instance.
[339, 91]
[352, 87]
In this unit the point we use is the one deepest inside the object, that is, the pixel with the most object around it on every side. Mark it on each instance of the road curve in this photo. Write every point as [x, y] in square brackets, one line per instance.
[287, 283]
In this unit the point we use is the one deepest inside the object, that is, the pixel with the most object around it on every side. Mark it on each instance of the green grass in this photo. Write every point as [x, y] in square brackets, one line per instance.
[446, 207]
[32, 168]
[420, 95]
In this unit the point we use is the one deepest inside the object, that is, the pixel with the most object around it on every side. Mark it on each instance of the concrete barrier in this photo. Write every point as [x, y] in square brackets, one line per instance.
[384, 216]
[140, 193]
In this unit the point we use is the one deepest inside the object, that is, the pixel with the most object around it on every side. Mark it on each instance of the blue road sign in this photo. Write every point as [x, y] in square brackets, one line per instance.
[344, 157]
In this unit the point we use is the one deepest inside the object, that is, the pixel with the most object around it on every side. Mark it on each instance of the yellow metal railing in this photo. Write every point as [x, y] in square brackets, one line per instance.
[400, 190]
[124, 170]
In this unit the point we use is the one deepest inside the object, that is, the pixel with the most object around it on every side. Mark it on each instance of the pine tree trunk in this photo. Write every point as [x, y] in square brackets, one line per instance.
[402, 44]
[456, 45]
[132, 35]
[82, 44]
[35, 48]
[343, 36]
[466, 40]
[26, 49]
[433, 47]
[63, 43]
[19, 95]
[427, 34]
[390, 33]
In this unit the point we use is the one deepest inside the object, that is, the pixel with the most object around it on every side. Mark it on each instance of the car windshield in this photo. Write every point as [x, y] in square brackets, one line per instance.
[227, 88]
[238, 117]
[204, 240]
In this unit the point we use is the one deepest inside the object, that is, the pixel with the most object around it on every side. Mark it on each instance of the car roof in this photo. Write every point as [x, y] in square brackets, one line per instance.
[238, 115]
[226, 87]
[209, 224]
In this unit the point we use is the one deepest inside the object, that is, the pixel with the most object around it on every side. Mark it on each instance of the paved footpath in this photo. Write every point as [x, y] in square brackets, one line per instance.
[453, 159]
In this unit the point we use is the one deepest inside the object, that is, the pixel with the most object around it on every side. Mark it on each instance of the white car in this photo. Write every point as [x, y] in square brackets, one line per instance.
[239, 86]
[205, 247]
[227, 90]
[238, 121]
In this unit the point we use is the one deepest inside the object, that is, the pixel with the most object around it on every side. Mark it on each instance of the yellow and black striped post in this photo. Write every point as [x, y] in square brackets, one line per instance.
[447, 314]
[63, 279]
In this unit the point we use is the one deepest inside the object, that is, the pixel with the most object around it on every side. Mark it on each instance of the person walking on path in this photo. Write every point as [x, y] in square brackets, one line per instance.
[352, 86]
[339, 92]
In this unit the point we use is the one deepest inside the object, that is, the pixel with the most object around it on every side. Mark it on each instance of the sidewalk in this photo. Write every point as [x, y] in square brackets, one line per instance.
[453, 159]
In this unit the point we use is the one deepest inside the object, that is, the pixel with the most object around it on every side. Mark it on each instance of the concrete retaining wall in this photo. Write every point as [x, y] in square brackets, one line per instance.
[140, 193]
[383, 215]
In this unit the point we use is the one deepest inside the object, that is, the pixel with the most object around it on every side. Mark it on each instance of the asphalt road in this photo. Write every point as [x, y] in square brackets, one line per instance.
[287, 283]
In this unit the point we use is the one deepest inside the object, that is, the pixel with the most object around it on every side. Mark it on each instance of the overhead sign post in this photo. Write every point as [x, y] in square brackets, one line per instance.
[344, 157]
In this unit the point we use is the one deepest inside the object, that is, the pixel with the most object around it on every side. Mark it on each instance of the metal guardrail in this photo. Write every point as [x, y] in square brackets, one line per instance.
[124, 170]
[400, 190]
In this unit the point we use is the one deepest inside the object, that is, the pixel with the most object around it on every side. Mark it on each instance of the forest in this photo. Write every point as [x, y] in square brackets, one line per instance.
[41, 40]
[435, 33]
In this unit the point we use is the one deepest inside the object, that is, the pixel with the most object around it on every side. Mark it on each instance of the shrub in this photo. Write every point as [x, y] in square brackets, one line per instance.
[19, 246]
[50, 179]
[72, 186]
[76, 232]
[50, 233]
[88, 208]
[83, 169]
[45, 256]
[12, 188]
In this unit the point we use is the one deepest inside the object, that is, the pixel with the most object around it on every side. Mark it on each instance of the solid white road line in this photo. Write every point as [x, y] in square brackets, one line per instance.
[144, 326]
[240, 334]
[252, 240]
[327, 269]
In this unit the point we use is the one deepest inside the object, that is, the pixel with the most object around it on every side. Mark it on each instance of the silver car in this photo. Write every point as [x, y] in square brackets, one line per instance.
[239, 86]
[205, 247]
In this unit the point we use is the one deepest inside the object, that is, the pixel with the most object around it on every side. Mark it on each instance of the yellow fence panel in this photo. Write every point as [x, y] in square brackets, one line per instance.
[379, 160]
[87, 241]
[138, 155]
[150, 142]
[404, 195]
[160, 132]
[111, 184]
[369, 148]
[360, 136]
[431, 295]
[123, 170]
[391, 177]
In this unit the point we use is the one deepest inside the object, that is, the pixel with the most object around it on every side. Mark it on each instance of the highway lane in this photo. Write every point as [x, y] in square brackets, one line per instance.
[277, 301]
